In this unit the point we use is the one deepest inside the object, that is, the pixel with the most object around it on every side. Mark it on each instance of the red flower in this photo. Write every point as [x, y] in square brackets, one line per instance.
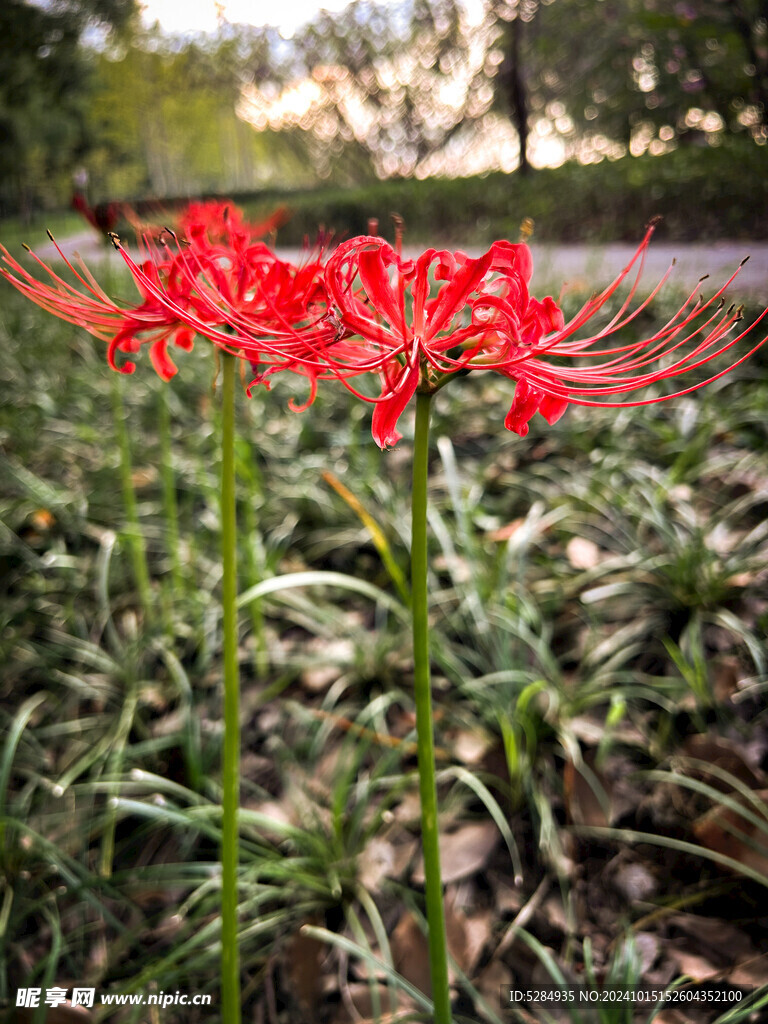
[125, 328]
[222, 284]
[218, 220]
[104, 216]
[245, 300]
[482, 317]
[481, 314]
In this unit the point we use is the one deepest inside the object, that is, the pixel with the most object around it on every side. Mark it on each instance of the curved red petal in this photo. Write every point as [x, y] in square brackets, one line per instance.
[387, 412]
[162, 362]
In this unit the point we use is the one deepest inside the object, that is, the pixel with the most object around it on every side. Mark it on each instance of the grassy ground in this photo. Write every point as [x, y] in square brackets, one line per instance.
[600, 602]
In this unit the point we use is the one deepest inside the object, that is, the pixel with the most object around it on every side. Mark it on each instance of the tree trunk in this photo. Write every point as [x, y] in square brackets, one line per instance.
[514, 88]
[744, 26]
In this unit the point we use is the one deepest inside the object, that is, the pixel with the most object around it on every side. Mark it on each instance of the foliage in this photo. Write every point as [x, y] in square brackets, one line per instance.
[388, 85]
[547, 691]
[702, 194]
[164, 122]
[608, 76]
[420, 87]
[44, 90]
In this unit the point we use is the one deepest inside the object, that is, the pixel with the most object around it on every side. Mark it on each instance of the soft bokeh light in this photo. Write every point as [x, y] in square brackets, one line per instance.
[206, 15]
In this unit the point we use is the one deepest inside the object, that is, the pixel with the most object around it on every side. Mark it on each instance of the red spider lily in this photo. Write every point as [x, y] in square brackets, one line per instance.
[221, 221]
[104, 216]
[482, 317]
[480, 305]
[246, 301]
[125, 328]
[213, 286]
[233, 280]
[243, 284]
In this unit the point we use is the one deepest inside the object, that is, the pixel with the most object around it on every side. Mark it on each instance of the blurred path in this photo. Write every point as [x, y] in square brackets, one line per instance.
[587, 266]
[593, 265]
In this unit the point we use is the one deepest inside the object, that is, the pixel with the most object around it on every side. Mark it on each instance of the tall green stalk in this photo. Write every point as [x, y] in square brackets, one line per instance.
[170, 507]
[230, 961]
[438, 950]
[133, 532]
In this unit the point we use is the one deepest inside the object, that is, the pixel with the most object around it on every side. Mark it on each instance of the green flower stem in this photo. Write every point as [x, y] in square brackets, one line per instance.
[133, 532]
[253, 557]
[438, 950]
[230, 961]
[170, 507]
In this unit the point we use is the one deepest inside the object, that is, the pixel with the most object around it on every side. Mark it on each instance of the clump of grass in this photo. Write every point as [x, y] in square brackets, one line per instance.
[109, 714]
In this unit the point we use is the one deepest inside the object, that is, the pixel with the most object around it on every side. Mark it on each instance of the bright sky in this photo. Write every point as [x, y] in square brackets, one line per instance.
[202, 15]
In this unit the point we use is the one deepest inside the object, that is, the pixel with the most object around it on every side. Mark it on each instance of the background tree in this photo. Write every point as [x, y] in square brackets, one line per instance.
[639, 73]
[44, 89]
[165, 119]
[388, 85]
[419, 87]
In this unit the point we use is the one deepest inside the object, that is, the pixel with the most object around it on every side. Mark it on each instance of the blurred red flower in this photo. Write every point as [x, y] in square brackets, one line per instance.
[218, 282]
[125, 328]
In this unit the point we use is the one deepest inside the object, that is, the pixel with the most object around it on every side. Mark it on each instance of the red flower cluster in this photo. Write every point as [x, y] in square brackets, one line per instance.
[221, 279]
[405, 324]
[480, 316]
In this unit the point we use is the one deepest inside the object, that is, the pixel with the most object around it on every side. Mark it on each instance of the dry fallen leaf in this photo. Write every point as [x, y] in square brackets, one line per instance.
[463, 852]
[471, 746]
[509, 899]
[587, 794]
[554, 913]
[671, 1016]
[279, 813]
[319, 678]
[301, 962]
[144, 477]
[408, 811]
[332, 656]
[358, 1005]
[648, 946]
[635, 882]
[694, 966]
[492, 978]
[751, 973]
[724, 754]
[382, 859]
[716, 936]
[728, 833]
[467, 936]
[590, 730]
[410, 953]
[505, 532]
[726, 676]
